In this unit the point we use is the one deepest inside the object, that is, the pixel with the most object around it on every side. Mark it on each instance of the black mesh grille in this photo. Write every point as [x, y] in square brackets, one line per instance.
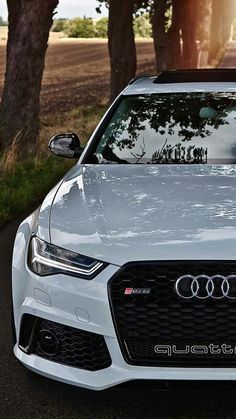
[162, 318]
[76, 348]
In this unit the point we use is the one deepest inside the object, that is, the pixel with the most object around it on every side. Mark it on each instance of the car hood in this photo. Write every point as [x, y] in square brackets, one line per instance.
[122, 213]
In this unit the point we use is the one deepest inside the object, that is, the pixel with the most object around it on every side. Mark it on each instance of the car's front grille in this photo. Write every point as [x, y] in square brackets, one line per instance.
[69, 346]
[158, 327]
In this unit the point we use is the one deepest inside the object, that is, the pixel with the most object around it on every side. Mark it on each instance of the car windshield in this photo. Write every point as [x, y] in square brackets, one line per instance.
[179, 128]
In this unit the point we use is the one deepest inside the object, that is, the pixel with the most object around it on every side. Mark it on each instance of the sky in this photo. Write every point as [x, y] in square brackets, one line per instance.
[68, 9]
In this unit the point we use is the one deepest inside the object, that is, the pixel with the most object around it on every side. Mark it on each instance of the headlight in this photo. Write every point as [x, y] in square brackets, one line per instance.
[47, 259]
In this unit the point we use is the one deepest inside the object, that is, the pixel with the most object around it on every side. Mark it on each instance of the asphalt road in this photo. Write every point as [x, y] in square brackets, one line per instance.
[229, 60]
[26, 395]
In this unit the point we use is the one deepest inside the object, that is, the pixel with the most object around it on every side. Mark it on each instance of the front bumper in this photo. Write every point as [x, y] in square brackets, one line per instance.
[60, 303]
[83, 305]
[119, 372]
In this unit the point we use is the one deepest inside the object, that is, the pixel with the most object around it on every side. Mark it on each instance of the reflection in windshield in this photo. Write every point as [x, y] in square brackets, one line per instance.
[180, 128]
[178, 154]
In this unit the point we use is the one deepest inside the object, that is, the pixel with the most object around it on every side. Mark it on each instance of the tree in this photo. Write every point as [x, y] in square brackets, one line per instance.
[142, 26]
[29, 25]
[174, 50]
[2, 22]
[159, 33]
[121, 40]
[59, 25]
[189, 24]
[121, 44]
[166, 25]
[204, 31]
[80, 28]
[222, 19]
[175, 43]
[216, 29]
[102, 28]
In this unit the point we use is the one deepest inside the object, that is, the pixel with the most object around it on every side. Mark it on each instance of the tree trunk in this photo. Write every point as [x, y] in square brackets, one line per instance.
[216, 29]
[174, 52]
[189, 34]
[121, 43]
[204, 31]
[29, 25]
[227, 19]
[159, 33]
[222, 19]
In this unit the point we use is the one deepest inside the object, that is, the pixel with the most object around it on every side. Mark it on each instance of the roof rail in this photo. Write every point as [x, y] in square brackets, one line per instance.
[140, 77]
[201, 75]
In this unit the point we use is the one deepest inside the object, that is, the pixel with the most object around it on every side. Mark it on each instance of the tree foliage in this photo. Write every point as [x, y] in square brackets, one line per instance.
[80, 28]
[142, 26]
[59, 25]
[101, 29]
[3, 22]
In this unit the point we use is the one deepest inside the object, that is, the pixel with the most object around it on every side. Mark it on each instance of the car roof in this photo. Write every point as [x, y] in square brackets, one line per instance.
[147, 85]
[176, 81]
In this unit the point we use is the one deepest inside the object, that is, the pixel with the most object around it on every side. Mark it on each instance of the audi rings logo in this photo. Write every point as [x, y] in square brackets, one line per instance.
[203, 287]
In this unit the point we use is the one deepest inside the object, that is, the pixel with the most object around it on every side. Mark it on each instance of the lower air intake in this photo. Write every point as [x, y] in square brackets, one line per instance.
[63, 344]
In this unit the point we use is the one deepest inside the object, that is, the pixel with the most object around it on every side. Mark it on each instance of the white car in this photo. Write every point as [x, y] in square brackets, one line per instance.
[127, 271]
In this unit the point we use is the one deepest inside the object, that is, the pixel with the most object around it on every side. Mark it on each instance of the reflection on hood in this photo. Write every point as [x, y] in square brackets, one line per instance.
[120, 213]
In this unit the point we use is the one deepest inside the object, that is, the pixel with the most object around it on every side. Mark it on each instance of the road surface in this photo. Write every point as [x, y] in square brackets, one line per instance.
[26, 395]
[229, 60]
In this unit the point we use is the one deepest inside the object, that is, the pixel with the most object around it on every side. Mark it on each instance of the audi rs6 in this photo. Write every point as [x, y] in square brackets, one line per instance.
[127, 270]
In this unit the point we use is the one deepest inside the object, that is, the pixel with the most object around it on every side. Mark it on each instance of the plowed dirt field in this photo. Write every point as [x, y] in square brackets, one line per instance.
[77, 72]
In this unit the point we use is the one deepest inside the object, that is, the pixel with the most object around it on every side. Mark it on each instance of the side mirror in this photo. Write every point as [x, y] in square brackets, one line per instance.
[66, 145]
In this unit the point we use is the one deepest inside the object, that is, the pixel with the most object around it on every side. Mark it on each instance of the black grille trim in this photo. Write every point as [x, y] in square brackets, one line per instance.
[193, 267]
[77, 348]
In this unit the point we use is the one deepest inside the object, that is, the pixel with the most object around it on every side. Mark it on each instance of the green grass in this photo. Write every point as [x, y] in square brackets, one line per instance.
[25, 184]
